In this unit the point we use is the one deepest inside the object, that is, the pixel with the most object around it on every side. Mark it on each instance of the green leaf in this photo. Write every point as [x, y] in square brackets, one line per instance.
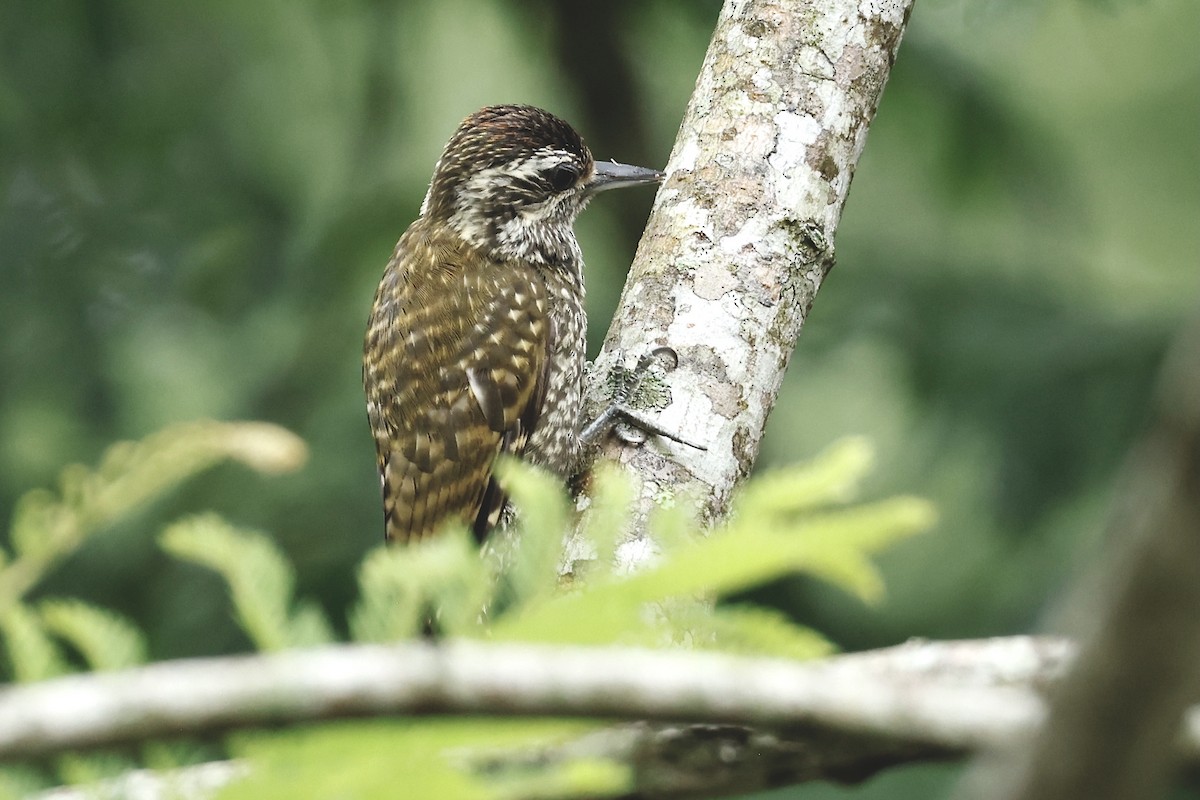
[758, 631]
[93, 768]
[833, 477]
[32, 654]
[431, 758]
[18, 781]
[744, 554]
[610, 500]
[46, 527]
[400, 587]
[106, 640]
[833, 546]
[132, 473]
[543, 515]
[41, 524]
[776, 532]
[308, 626]
[389, 606]
[260, 580]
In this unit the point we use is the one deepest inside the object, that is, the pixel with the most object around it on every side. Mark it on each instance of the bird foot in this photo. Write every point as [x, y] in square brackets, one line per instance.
[632, 387]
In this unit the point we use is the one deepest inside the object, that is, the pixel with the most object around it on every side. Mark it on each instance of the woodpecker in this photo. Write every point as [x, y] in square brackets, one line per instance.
[475, 344]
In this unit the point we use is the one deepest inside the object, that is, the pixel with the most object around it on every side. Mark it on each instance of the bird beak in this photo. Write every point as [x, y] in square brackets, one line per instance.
[611, 175]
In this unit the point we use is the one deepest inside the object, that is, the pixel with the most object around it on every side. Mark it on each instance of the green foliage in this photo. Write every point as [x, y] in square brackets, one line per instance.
[544, 513]
[187, 236]
[92, 768]
[422, 759]
[793, 520]
[833, 477]
[800, 519]
[780, 527]
[18, 781]
[785, 522]
[399, 588]
[755, 630]
[106, 640]
[259, 577]
[103, 639]
[47, 527]
[603, 528]
[32, 655]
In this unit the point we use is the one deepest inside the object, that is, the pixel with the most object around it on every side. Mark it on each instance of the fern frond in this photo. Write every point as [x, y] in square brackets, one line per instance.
[544, 515]
[611, 498]
[105, 639]
[47, 526]
[422, 760]
[400, 587]
[32, 654]
[833, 477]
[759, 631]
[260, 580]
[19, 781]
[777, 531]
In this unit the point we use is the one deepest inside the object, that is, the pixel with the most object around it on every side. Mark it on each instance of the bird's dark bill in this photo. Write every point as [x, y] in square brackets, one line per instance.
[611, 175]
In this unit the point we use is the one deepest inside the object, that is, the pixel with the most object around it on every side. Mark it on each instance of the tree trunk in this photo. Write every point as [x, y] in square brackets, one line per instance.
[741, 235]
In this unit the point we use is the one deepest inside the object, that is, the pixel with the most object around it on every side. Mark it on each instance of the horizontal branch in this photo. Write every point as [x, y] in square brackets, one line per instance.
[958, 696]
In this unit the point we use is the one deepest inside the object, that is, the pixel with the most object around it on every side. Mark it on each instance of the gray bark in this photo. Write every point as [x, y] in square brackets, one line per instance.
[954, 695]
[741, 235]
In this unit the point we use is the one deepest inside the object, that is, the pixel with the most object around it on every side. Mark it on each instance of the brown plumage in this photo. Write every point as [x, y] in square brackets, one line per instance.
[475, 344]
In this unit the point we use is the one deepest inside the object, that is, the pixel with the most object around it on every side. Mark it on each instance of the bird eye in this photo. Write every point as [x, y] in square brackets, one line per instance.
[563, 177]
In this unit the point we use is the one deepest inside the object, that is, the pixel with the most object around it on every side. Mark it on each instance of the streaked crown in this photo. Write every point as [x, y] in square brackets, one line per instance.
[511, 181]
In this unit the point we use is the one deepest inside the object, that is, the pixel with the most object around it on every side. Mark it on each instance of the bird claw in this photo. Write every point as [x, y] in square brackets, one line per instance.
[631, 426]
[634, 429]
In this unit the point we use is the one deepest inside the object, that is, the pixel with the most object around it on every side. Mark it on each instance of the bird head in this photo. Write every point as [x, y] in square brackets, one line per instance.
[512, 179]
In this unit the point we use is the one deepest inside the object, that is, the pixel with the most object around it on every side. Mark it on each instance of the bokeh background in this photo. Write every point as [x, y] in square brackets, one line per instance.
[197, 200]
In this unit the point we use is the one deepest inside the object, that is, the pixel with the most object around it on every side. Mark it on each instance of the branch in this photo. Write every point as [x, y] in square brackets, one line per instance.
[760, 724]
[956, 695]
[741, 235]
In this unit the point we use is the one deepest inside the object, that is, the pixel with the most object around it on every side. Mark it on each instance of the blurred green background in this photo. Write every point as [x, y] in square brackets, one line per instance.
[197, 200]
